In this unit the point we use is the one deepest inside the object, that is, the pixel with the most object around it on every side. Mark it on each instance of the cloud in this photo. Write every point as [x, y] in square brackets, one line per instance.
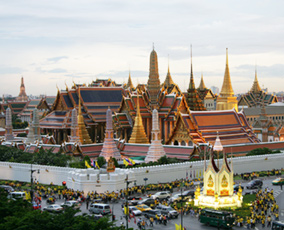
[58, 70]
[56, 59]
[11, 70]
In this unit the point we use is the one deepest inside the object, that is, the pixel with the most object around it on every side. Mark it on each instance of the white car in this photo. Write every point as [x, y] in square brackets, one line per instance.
[176, 197]
[161, 195]
[133, 210]
[71, 203]
[53, 208]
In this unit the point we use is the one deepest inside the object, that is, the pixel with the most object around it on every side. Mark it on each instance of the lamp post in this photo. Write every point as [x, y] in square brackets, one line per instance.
[32, 181]
[218, 147]
[126, 199]
[145, 179]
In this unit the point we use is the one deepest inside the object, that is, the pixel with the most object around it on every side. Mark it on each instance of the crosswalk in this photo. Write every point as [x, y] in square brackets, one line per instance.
[277, 192]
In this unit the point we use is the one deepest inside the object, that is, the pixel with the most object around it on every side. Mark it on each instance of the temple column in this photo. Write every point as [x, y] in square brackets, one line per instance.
[125, 135]
[166, 130]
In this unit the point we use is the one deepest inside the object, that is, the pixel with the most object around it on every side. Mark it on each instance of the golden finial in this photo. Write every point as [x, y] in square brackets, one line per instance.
[227, 59]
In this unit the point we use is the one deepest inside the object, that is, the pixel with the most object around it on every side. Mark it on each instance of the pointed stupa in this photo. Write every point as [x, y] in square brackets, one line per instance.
[138, 135]
[74, 137]
[109, 147]
[31, 135]
[22, 95]
[36, 125]
[83, 133]
[226, 99]
[153, 84]
[129, 83]
[156, 149]
[9, 128]
[192, 98]
[168, 81]
[202, 85]
[255, 87]
[227, 89]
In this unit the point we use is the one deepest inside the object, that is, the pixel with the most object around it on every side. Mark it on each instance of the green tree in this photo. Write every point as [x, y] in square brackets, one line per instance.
[101, 161]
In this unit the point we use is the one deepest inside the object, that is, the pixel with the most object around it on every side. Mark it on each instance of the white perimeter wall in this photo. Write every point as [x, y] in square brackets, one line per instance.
[90, 179]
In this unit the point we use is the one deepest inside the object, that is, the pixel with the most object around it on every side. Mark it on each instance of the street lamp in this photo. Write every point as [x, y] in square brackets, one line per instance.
[145, 179]
[32, 181]
[126, 199]
[218, 147]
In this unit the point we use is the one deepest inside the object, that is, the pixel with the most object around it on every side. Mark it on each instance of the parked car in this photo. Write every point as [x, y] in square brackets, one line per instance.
[177, 197]
[133, 200]
[278, 181]
[152, 213]
[147, 201]
[7, 188]
[16, 195]
[161, 195]
[189, 194]
[143, 207]
[71, 203]
[168, 211]
[97, 208]
[56, 208]
[254, 184]
[133, 210]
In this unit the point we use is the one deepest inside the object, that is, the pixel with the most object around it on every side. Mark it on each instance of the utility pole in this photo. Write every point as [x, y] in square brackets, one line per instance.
[126, 210]
[181, 213]
[32, 181]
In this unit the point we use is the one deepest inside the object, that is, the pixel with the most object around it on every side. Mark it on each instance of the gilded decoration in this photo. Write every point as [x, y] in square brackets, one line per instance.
[224, 182]
[224, 192]
[210, 192]
[210, 182]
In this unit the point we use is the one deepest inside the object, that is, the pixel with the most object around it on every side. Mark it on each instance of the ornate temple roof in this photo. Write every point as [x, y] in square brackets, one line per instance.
[192, 98]
[203, 91]
[95, 102]
[231, 126]
[256, 96]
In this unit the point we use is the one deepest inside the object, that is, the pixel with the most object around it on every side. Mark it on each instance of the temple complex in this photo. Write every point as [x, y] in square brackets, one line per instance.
[226, 99]
[256, 96]
[94, 100]
[22, 95]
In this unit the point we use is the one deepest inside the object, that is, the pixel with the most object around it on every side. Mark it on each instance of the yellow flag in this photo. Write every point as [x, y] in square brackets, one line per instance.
[132, 161]
[177, 227]
[97, 165]
[87, 164]
[126, 210]
[125, 162]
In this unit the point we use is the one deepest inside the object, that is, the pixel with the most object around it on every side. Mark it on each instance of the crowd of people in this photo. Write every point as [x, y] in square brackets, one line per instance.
[262, 211]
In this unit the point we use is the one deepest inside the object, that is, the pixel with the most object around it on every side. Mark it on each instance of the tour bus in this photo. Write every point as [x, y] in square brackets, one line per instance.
[216, 218]
[277, 225]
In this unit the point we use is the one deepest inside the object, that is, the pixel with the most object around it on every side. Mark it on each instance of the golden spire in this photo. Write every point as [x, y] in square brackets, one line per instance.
[83, 133]
[227, 89]
[168, 81]
[138, 135]
[255, 87]
[129, 83]
[202, 85]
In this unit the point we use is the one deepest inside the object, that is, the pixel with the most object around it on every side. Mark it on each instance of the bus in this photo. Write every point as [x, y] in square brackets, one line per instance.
[217, 218]
[277, 225]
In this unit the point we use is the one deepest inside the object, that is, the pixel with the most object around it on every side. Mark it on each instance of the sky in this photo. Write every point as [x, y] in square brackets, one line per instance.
[53, 43]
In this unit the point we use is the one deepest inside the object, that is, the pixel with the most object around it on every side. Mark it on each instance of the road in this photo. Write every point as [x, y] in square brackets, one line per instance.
[189, 222]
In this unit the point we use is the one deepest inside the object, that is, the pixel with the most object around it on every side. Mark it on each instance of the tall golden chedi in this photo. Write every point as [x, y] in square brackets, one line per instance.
[226, 99]
[138, 135]
[83, 133]
[153, 84]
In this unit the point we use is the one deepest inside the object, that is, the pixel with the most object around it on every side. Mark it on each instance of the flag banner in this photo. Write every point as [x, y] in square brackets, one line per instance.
[87, 164]
[92, 163]
[97, 165]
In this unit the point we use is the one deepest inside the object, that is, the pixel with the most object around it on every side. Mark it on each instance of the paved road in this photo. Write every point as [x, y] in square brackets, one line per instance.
[190, 222]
